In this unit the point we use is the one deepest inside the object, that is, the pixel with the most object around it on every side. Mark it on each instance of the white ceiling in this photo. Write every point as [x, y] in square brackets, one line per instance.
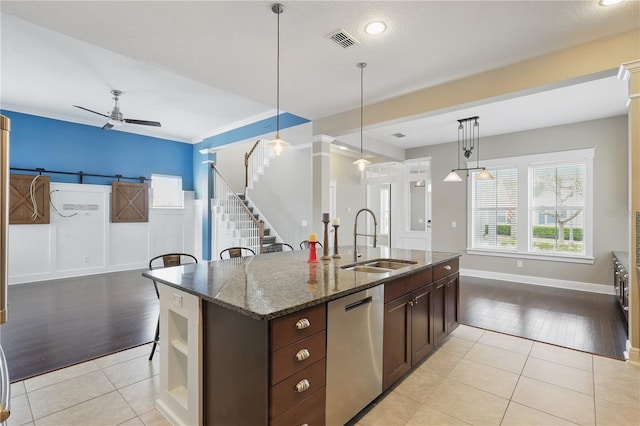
[201, 67]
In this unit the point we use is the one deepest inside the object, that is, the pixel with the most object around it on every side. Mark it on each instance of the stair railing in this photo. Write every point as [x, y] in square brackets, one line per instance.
[250, 228]
[254, 161]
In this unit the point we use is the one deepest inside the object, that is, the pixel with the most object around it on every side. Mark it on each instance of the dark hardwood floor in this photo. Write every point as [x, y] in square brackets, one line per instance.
[54, 324]
[579, 320]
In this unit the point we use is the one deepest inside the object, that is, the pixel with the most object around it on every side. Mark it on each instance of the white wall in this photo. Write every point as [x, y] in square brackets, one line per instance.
[88, 243]
[351, 196]
[609, 138]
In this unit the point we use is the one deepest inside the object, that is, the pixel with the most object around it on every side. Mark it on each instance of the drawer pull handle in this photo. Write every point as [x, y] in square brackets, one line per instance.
[302, 385]
[302, 324]
[447, 267]
[302, 354]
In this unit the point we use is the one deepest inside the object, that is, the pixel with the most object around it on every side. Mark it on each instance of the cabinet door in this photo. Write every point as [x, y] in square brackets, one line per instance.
[452, 306]
[421, 323]
[396, 358]
[439, 302]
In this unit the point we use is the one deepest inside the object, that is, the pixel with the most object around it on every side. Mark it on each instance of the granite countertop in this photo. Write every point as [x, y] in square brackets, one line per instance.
[623, 257]
[275, 284]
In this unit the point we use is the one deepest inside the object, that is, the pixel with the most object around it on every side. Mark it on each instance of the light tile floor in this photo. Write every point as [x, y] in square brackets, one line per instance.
[475, 377]
[479, 377]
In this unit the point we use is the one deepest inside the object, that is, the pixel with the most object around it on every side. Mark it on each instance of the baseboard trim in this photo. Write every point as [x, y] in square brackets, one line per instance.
[632, 354]
[541, 281]
[46, 276]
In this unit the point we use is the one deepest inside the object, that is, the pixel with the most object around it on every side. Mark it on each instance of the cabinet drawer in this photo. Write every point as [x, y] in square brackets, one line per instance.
[402, 286]
[309, 412]
[445, 268]
[285, 362]
[284, 395]
[296, 326]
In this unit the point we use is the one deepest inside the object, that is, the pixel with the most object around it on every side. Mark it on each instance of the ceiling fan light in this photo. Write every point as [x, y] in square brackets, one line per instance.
[484, 175]
[453, 177]
[361, 163]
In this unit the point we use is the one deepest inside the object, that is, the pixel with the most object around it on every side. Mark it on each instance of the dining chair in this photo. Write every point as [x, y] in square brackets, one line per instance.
[232, 252]
[276, 247]
[165, 261]
[304, 245]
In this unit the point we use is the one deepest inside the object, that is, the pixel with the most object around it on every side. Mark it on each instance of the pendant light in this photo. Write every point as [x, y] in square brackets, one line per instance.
[361, 162]
[468, 139]
[277, 144]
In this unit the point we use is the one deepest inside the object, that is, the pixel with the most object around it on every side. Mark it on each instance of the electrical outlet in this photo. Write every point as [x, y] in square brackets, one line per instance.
[453, 224]
[177, 300]
[519, 263]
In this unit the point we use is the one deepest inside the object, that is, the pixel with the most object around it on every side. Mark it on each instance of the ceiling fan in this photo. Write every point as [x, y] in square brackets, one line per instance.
[115, 117]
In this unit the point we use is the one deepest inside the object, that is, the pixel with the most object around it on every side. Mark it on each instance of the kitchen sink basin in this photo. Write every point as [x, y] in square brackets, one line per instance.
[368, 269]
[379, 266]
[390, 263]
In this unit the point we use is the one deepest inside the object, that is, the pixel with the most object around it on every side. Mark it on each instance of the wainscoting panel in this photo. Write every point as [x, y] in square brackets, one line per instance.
[81, 240]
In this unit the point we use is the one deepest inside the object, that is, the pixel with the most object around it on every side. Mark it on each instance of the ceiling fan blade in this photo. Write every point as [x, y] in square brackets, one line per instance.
[107, 126]
[90, 110]
[142, 122]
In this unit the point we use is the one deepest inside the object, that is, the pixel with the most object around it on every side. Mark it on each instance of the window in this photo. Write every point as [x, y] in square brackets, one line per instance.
[495, 210]
[166, 191]
[557, 206]
[538, 206]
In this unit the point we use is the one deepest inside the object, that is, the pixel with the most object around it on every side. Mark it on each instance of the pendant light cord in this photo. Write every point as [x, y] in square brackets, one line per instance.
[361, 105]
[278, 76]
[361, 65]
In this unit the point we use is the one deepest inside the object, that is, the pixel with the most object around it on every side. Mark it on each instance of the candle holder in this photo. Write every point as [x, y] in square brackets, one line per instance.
[313, 257]
[335, 242]
[313, 278]
[325, 248]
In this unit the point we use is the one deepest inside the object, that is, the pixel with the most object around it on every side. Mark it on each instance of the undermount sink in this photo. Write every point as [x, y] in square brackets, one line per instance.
[379, 266]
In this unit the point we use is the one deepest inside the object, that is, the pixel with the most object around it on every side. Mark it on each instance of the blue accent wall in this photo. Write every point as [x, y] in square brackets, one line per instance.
[38, 142]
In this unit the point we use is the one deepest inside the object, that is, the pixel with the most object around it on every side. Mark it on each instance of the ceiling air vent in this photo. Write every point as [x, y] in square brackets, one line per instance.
[343, 39]
[398, 135]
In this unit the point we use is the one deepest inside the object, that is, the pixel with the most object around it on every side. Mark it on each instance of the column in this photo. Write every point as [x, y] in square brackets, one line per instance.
[631, 71]
[320, 180]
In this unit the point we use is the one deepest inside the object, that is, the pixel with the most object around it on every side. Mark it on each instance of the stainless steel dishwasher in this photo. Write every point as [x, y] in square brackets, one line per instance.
[354, 353]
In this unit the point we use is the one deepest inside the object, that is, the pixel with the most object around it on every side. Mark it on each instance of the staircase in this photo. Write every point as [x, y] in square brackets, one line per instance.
[268, 238]
[235, 221]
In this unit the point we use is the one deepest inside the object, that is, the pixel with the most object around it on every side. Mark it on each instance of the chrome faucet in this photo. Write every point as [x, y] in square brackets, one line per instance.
[355, 232]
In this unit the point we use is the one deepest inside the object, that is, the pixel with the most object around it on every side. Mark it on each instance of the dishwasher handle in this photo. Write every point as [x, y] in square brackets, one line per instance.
[360, 302]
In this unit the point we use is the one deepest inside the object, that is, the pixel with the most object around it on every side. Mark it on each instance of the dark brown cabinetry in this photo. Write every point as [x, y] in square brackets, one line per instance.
[621, 283]
[445, 306]
[446, 300]
[298, 347]
[264, 372]
[418, 314]
[408, 325]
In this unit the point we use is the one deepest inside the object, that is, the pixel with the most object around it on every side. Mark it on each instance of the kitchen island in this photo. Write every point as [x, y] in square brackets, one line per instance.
[244, 340]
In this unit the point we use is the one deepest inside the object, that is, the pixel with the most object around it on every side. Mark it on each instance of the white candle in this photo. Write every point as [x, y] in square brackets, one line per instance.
[336, 221]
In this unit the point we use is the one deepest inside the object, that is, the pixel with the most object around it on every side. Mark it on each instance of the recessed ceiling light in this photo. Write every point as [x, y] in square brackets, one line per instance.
[377, 27]
[609, 2]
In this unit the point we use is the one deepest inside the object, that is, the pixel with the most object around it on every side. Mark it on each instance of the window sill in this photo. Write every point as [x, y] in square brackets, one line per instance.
[589, 260]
